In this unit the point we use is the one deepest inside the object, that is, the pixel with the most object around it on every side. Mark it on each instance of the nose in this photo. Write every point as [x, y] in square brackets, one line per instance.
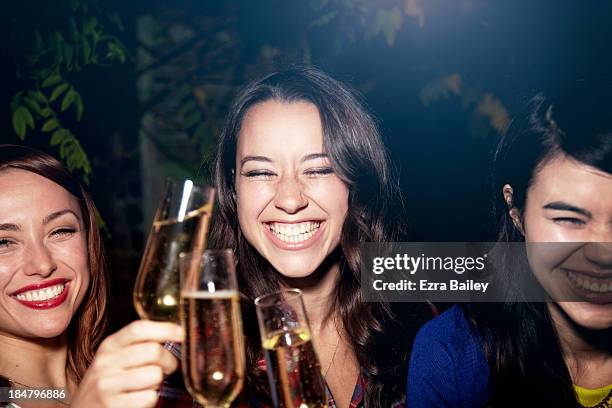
[40, 262]
[599, 254]
[289, 196]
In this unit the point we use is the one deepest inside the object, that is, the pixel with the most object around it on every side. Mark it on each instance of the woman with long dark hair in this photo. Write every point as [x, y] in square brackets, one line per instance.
[54, 296]
[553, 183]
[303, 178]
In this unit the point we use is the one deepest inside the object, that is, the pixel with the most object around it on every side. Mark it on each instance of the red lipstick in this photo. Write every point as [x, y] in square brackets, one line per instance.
[44, 304]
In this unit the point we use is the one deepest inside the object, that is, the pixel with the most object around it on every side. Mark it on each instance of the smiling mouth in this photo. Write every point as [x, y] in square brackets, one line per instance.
[40, 295]
[294, 233]
[589, 283]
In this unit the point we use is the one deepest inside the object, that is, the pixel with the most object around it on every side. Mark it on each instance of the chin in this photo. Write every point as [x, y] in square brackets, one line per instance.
[295, 269]
[589, 315]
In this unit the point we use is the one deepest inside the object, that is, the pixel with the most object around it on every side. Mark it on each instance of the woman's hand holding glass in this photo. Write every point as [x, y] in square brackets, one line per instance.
[129, 367]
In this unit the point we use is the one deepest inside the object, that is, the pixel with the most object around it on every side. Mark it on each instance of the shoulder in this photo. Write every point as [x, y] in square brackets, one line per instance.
[450, 341]
[448, 366]
[449, 328]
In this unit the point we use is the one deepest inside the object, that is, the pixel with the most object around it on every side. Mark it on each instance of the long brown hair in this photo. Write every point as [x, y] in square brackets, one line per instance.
[523, 346]
[379, 337]
[89, 322]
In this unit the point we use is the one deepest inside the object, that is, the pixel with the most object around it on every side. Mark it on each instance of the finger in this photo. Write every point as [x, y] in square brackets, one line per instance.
[141, 354]
[141, 331]
[135, 379]
[138, 399]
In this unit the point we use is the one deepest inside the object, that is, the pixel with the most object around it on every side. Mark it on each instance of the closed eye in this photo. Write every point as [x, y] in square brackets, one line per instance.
[64, 232]
[569, 221]
[264, 174]
[319, 171]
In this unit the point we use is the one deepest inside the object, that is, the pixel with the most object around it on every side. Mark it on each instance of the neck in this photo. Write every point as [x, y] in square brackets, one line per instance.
[318, 292]
[585, 351]
[35, 362]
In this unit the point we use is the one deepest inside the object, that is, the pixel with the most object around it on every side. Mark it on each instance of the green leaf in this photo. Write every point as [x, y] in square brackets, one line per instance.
[33, 105]
[79, 106]
[74, 31]
[201, 132]
[58, 136]
[50, 125]
[45, 112]
[183, 92]
[188, 107]
[70, 96]
[115, 51]
[39, 96]
[68, 51]
[51, 80]
[16, 101]
[19, 121]
[58, 91]
[90, 25]
[86, 49]
[116, 19]
[192, 119]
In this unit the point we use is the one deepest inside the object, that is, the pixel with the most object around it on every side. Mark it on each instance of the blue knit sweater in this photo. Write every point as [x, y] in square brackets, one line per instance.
[448, 366]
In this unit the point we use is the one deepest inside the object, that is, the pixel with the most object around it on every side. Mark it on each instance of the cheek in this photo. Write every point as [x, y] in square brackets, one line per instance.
[8, 266]
[251, 200]
[540, 229]
[545, 256]
[333, 196]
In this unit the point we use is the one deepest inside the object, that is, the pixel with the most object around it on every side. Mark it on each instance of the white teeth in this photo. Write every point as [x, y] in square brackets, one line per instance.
[42, 294]
[589, 283]
[294, 233]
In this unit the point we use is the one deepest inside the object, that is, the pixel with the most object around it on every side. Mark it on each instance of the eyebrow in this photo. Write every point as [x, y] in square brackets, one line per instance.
[9, 227]
[58, 214]
[266, 159]
[255, 158]
[16, 227]
[560, 205]
[313, 156]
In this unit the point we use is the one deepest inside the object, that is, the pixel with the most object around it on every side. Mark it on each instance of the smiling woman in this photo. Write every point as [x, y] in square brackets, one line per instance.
[553, 191]
[303, 178]
[53, 296]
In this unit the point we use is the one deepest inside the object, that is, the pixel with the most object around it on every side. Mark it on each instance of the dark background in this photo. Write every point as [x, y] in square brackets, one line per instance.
[443, 77]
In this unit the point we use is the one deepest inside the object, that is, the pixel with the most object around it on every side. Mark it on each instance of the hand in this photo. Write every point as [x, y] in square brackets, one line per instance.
[129, 367]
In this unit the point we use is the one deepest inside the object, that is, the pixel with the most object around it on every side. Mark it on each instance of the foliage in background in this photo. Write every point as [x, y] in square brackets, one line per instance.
[191, 62]
[50, 101]
[487, 111]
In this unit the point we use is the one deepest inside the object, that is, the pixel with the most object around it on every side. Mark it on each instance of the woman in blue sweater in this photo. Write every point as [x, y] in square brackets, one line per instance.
[553, 183]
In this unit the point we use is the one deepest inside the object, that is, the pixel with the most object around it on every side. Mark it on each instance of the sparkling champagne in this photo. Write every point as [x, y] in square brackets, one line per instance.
[213, 354]
[156, 294]
[294, 370]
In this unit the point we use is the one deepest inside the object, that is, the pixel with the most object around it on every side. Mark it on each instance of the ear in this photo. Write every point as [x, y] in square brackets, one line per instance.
[508, 193]
[513, 212]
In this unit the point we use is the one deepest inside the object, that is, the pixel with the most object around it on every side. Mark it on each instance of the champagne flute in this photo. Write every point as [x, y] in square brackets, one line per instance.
[293, 368]
[213, 357]
[180, 225]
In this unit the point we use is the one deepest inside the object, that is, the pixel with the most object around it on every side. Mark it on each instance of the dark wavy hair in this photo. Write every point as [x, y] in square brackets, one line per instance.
[379, 337]
[522, 344]
[87, 326]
